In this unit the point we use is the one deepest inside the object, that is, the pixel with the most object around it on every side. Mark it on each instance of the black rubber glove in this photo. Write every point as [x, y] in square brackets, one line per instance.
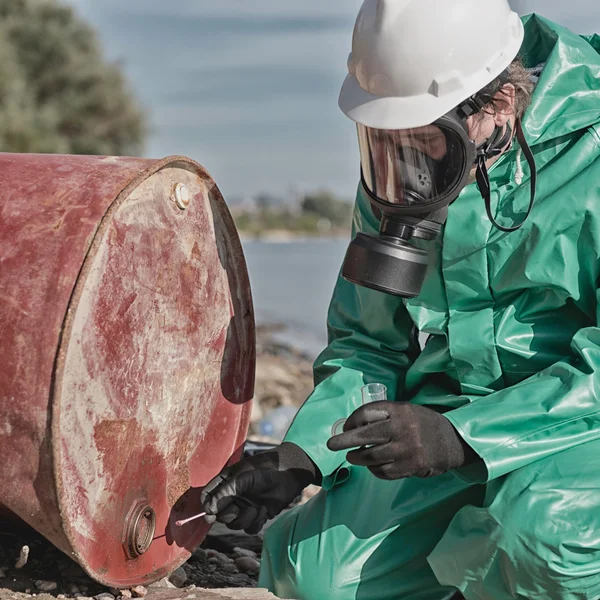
[258, 488]
[398, 439]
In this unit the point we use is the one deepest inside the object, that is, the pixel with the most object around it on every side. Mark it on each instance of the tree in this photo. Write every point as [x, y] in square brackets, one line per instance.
[328, 206]
[57, 93]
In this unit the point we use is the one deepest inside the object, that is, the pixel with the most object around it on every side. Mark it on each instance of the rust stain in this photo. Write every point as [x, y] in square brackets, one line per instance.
[179, 474]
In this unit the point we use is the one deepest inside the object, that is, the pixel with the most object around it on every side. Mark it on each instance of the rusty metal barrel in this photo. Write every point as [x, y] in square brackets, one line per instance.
[127, 355]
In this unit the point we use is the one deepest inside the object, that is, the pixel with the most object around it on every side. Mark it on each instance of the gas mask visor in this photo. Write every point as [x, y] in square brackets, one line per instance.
[411, 177]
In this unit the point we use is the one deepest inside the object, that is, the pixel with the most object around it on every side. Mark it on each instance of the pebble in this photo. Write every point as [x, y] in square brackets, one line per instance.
[178, 577]
[61, 597]
[139, 591]
[244, 552]
[219, 556]
[246, 563]
[125, 593]
[72, 589]
[2, 574]
[190, 588]
[46, 586]
[163, 583]
[23, 556]
[104, 596]
[227, 568]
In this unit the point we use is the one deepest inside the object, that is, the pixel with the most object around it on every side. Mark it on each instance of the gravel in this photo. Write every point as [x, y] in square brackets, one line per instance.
[48, 574]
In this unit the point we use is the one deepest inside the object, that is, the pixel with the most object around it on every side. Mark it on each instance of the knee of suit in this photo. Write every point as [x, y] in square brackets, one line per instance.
[549, 542]
[308, 575]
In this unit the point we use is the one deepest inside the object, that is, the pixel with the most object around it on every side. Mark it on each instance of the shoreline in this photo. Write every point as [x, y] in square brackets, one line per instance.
[287, 237]
[284, 377]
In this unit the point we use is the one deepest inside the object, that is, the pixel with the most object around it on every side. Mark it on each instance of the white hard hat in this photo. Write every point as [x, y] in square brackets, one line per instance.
[413, 61]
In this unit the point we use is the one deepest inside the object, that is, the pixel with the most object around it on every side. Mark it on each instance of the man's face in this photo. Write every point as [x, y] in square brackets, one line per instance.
[413, 165]
[482, 126]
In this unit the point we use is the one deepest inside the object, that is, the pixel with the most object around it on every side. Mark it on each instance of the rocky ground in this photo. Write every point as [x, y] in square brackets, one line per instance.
[31, 567]
[283, 376]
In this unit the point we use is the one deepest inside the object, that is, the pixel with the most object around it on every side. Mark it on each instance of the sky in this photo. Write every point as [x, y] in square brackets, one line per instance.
[249, 88]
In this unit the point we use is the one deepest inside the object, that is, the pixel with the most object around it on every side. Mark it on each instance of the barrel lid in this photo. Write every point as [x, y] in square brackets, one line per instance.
[154, 375]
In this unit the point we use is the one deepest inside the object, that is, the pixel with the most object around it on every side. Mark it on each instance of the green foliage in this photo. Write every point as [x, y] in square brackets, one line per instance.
[327, 206]
[321, 213]
[57, 93]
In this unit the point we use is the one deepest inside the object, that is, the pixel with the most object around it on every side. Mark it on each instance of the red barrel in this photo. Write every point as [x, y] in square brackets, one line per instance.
[127, 371]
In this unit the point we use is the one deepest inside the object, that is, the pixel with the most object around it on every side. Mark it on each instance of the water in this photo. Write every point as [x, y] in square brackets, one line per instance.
[292, 284]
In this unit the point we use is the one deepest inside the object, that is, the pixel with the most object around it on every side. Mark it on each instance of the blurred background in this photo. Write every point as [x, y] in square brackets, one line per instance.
[249, 89]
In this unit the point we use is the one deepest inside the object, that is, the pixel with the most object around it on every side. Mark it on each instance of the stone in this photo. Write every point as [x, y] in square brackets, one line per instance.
[219, 556]
[139, 591]
[2, 573]
[247, 563]
[22, 560]
[61, 597]
[228, 568]
[126, 593]
[199, 556]
[163, 583]
[242, 594]
[244, 552]
[46, 586]
[72, 589]
[178, 577]
[104, 596]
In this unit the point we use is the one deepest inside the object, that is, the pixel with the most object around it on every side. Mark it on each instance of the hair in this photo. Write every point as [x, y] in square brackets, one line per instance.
[520, 77]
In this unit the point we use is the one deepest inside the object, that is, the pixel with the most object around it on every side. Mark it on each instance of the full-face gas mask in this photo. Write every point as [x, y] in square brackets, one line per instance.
[411, 177]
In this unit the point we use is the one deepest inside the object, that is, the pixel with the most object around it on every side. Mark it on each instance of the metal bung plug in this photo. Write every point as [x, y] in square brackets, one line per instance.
[182, 196]
[139, 530]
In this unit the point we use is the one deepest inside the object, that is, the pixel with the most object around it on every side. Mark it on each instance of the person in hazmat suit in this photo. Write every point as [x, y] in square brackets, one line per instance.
[477, 226]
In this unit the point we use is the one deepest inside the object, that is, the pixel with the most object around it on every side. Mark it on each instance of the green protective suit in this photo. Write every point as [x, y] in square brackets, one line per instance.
[513, 358]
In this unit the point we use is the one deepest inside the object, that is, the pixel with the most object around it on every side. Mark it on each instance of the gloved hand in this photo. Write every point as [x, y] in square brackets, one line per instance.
[397, 439]
[258, 488]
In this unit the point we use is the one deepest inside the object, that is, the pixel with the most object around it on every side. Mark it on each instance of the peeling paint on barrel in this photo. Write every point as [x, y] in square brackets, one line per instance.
[154, 373]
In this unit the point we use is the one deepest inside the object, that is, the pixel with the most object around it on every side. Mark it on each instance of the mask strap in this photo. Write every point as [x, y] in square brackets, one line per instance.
[499, 142]
[483, 181]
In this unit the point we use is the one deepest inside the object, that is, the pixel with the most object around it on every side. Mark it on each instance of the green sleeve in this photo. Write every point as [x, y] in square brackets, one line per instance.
[370, 341]
[554, 410]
